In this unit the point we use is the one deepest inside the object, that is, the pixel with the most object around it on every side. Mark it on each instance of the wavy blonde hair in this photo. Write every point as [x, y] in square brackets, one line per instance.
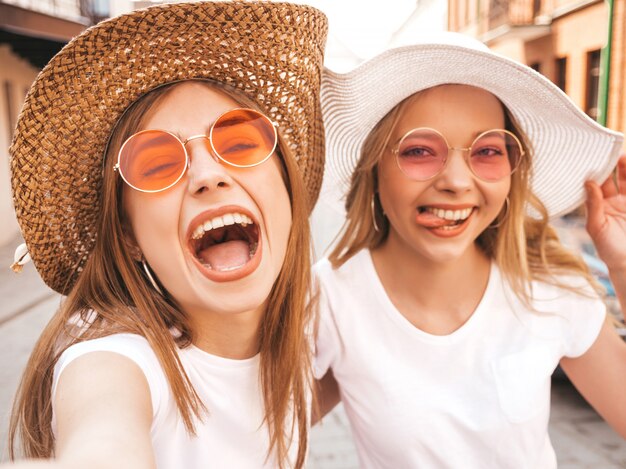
[525, 248]
[113, 295]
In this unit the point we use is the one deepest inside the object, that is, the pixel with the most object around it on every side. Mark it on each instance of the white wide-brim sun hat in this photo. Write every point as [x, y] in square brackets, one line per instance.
[569, 147]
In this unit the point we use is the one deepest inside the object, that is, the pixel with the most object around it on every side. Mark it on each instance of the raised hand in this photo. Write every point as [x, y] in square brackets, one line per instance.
[606, 217]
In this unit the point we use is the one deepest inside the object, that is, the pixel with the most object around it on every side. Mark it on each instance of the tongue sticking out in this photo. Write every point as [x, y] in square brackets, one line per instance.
[430, 220]
[228, 255]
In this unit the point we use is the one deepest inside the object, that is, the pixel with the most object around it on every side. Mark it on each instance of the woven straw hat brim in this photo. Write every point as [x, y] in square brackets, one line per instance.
[569, 147]
[272, 52]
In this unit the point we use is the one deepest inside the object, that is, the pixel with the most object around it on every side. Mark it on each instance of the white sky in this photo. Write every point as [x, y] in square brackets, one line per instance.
[365, 24]
[360, 29]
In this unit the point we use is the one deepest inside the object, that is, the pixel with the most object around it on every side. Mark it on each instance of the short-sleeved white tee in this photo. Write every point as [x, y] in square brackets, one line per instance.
[478, 398]
[232, 434]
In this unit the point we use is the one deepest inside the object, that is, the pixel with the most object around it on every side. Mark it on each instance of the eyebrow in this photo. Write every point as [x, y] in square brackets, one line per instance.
[230, 121]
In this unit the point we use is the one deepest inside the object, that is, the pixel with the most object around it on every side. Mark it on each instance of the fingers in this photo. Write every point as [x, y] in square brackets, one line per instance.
[595, 213]
[615, 185]
[609, 189]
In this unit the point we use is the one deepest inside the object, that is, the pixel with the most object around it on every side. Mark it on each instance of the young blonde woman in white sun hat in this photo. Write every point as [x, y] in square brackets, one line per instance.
[448, 301]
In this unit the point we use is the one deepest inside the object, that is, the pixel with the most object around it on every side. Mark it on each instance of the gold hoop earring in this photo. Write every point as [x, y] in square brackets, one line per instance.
[146, 269]
[507, 207]
[376, 228]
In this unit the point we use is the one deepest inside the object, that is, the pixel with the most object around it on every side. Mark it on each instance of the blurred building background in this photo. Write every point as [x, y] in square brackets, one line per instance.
[31, 32]
[578, 44]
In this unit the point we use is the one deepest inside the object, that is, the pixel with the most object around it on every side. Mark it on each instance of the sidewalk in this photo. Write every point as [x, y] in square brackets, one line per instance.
[19, 292]
[26, 305]
[17, 338]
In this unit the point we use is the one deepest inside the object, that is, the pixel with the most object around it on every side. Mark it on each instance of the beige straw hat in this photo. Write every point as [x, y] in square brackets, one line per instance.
[272, 52]
[568, 147]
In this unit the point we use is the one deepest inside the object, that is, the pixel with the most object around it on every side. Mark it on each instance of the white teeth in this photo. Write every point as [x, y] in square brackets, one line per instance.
[218, 222]
[246, 220]
[199, 231]
[450, 214]
[229, 219]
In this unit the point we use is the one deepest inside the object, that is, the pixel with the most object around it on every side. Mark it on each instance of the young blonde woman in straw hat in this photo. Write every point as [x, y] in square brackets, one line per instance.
[448, 301]
[164, 167]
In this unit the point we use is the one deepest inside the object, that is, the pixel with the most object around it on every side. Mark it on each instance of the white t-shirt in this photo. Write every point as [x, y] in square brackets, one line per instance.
[232, 435]
[476, 398]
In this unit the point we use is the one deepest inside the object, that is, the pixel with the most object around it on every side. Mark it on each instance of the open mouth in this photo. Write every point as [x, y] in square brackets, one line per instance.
[444, 219]
[225, 243]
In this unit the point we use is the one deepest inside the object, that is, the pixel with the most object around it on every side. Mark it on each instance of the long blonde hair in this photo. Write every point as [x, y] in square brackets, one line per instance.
[113, 295]
[525, 248]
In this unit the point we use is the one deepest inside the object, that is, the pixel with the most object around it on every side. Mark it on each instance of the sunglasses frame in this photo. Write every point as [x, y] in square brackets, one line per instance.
[183, 143]
[466, 150]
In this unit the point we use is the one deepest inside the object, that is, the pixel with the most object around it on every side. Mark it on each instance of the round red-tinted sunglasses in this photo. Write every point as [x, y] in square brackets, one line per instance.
[155, 160]
[422, 153]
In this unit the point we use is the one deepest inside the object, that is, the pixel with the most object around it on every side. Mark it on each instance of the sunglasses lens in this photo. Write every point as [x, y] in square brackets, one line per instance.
[152, 160]
[495, 155]
[421, 154]
[243, 137]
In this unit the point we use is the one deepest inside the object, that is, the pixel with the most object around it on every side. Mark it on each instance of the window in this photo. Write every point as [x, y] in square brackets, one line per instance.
[592, 84]
[560, 72]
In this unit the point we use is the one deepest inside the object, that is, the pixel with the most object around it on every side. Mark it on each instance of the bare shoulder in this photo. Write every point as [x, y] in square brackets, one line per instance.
[102, 372]
[103, 412]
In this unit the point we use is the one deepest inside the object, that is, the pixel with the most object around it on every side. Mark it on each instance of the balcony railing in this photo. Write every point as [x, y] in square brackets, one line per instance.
[74, 10]
[512, 12]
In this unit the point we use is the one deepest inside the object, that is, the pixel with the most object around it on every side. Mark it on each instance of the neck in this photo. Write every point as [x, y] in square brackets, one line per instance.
[437, 296]
[234, 335]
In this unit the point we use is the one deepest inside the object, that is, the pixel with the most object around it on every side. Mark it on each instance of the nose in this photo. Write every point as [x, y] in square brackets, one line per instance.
[456, 176]
[205, 172]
